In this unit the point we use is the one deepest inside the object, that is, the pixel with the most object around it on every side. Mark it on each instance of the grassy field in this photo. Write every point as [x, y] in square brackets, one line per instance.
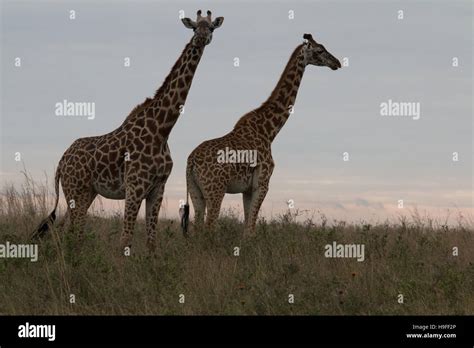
[412, 257]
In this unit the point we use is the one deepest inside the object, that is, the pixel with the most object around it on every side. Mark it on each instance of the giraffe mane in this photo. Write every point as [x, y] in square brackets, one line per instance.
[167, 80]
[281, 81]
[140, 107]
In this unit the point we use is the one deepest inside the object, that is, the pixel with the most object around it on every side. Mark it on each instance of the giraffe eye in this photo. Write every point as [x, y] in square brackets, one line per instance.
[211, 29]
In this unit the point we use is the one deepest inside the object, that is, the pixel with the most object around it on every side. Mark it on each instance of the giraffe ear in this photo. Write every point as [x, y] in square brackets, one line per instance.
[189, 23]
[217, 22]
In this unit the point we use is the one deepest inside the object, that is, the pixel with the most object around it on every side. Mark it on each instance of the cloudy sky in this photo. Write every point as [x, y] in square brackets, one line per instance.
[390, 158]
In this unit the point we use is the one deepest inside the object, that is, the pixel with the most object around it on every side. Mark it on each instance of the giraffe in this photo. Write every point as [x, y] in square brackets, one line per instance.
[208, 180]
[132, 162]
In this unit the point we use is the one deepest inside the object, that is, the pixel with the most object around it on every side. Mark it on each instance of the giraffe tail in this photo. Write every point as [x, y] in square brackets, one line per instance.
[184, 213]
[184, 209]
[47, 223]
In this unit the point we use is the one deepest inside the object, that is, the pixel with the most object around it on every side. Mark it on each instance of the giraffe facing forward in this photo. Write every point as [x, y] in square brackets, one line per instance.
[208, 179]
[132, 162]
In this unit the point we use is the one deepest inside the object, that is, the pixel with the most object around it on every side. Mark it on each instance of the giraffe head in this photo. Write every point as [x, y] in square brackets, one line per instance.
[316, 54]
[203, 28]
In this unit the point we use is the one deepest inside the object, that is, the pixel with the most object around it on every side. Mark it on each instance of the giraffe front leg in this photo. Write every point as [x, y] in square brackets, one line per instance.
[132, 206]
[254, 207]
[254, 198]
[247, 198]
[153, 205]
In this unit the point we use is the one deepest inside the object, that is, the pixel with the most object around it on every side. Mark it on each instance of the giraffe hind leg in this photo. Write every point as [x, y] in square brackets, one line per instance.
[199, 203]
[213, 204]
[78, 206]
[65, 221]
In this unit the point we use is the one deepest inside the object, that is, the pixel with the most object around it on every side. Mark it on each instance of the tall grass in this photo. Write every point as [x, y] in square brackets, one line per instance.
[412, 257]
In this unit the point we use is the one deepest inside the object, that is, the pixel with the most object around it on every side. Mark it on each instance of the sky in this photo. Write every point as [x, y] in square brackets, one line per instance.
[386, 58]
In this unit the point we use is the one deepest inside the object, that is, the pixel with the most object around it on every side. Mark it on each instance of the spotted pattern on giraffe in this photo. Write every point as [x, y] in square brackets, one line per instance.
[133, 162]
[208, 180]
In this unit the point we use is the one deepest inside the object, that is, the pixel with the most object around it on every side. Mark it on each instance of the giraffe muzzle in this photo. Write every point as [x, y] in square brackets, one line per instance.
[337, 65]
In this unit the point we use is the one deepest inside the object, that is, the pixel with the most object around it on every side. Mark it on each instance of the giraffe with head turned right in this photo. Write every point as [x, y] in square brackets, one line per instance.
[208, 180]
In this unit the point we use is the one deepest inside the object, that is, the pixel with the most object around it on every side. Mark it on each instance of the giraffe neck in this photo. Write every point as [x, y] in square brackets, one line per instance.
[271, 116]
[171, 96]
[163, 110]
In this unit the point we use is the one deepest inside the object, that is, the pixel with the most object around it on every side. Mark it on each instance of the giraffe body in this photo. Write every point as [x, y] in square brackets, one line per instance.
[208, 180]
[132, 162]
